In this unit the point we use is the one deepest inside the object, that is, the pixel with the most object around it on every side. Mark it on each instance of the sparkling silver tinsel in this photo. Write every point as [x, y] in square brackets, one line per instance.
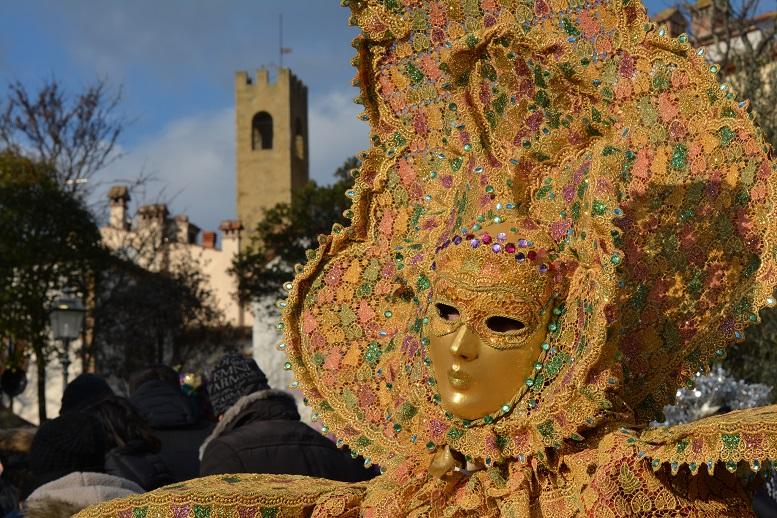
[713, 393]
[718, 392]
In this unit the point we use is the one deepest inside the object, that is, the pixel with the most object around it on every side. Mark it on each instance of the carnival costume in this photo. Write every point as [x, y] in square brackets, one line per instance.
[566, 161]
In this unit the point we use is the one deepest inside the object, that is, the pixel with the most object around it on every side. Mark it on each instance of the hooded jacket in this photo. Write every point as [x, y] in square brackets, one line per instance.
[66, 496]
[176, 423]
[262, 433]
[138, 463]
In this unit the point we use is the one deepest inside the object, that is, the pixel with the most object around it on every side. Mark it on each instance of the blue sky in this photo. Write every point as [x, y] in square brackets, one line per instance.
[174, 60]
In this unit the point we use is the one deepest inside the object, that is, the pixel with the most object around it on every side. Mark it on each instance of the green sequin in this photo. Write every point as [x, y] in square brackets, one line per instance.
[726, 135]
[416, 76]
[730, 441]
[373, 353]
[455, 433]
[679, 156]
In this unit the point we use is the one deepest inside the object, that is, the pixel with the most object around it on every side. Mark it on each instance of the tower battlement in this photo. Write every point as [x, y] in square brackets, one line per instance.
[262, 80]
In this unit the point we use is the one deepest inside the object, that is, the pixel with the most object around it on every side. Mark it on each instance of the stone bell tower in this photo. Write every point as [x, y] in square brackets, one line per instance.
[272, 141]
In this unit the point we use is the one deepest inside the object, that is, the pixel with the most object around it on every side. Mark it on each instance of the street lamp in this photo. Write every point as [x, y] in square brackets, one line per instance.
[66, 317]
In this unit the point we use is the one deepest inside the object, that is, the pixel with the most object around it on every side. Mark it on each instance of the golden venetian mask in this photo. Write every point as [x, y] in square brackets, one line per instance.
[488, 319]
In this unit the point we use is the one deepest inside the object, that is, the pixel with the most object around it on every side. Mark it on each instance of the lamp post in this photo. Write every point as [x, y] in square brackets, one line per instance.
[66, 317]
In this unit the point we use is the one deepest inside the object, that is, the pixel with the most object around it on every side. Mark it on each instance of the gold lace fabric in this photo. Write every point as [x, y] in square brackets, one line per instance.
[238, 496]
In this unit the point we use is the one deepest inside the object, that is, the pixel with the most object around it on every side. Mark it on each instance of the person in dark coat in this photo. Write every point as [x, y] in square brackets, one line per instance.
[70, 443]
[132, 448]
[260, 430]
[175, 419]
[84, 391]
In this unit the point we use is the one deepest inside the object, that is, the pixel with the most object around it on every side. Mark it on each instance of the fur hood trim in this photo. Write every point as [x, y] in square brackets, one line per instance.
[67, 495]
[240, 405]
[47, 508]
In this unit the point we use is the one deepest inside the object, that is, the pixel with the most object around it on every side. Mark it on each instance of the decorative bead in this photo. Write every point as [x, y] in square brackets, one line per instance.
[479, 169]
[520, 257]
[522, 243]
[538, 366]
[505, 408]
[545, 346]
[388, 314]
[510, 248]
[430, 446]
[324, 429]
[496, 248]
[552, 327]
[529, 382]
[281, 346]
[683, 38]
[397, 427]
[467, 147]
[288, 286]
[486, 239]
[475, 243]
[488, 419]
[714, 69]
[281, 304]
[287, 366]
[543, 268]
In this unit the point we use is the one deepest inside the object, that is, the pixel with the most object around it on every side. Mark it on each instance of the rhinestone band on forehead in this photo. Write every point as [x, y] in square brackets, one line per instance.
[522, 249]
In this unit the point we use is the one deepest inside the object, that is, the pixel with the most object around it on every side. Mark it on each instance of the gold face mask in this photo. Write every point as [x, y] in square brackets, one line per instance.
[488, 319]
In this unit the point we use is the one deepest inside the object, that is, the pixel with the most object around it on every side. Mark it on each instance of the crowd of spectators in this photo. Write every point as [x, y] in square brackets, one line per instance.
[104, 445]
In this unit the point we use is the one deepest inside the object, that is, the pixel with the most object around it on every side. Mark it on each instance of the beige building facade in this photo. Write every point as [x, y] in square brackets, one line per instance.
[156, 241]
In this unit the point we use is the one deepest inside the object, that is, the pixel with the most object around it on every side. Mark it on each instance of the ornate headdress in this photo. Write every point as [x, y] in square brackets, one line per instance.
[582, 121]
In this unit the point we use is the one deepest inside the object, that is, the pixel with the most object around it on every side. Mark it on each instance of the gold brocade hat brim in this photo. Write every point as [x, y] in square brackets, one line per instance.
[582, 121]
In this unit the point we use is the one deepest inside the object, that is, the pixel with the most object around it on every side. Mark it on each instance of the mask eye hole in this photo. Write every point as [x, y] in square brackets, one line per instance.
[504, 324]
[447, 312]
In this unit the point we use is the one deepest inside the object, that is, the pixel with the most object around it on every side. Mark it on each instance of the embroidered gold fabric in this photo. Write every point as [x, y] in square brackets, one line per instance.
[583, 122]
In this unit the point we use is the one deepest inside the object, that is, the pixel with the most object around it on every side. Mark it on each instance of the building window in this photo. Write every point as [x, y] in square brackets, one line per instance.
[261, 131]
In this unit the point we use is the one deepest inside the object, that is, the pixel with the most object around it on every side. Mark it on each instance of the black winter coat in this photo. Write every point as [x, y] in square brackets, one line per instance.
[262, 433]
[175, 422]
[136, 462]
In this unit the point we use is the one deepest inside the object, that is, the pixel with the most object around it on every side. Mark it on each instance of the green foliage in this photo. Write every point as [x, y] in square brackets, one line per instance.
[287, 230]
[130, 333]
[48, 242]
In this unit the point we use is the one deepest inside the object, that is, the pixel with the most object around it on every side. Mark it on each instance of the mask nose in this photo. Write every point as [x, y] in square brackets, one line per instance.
[465, 344]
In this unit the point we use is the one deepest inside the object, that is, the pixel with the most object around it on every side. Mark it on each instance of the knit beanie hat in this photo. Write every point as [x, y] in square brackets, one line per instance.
[84, 391]
[69, 443]
[233, 377]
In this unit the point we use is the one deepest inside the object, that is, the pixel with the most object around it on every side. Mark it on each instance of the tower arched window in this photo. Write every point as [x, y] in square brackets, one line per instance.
[261, 131]
[299, 140]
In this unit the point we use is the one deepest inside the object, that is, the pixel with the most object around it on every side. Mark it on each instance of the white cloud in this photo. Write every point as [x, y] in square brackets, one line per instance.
[193, 158]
